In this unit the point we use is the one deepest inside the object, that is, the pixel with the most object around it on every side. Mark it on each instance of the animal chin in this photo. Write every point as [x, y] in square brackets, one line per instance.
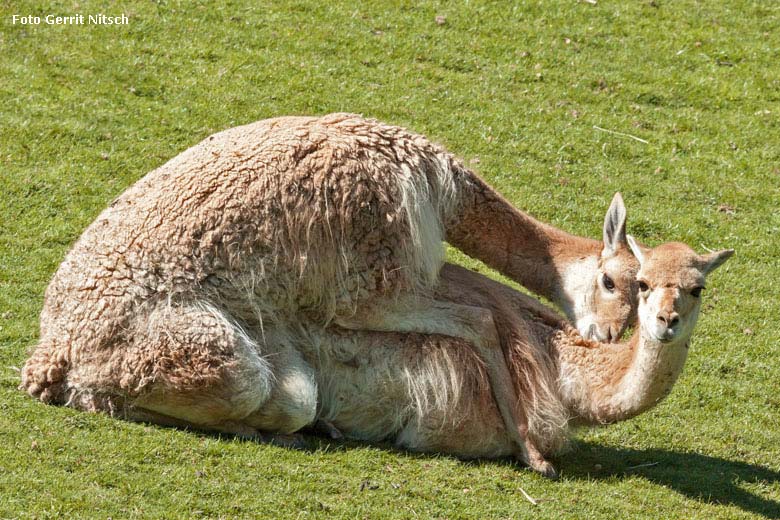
[665, 336]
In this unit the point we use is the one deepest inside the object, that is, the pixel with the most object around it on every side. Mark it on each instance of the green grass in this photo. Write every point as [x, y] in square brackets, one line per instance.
[517, 89]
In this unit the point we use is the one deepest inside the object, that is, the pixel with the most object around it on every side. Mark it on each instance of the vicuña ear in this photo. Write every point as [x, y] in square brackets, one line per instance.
[714, 260]
[615, 225]
[640, 251]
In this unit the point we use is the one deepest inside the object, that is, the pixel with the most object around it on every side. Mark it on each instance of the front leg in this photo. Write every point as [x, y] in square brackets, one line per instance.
[474, 324]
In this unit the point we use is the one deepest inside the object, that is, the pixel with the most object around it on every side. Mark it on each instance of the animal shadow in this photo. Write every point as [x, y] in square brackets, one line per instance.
[707, 479]
[700, 477]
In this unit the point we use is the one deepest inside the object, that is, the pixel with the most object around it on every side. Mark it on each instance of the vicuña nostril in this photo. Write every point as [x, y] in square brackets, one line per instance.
[675, 321]
[662, 319]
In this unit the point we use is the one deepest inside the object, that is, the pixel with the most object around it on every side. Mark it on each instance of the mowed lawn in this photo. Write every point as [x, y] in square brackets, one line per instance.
[558, 104]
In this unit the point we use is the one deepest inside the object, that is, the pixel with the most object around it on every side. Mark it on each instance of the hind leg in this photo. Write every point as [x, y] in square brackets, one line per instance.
[244, 391]
[476, 326]
[185, 365]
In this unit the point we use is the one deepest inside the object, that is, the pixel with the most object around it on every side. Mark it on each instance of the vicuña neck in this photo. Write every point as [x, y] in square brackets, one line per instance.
[542, 258]
[604, 383]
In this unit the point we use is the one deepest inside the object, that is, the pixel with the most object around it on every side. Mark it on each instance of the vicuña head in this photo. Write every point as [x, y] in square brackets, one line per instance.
[671, 278]
[599, 289]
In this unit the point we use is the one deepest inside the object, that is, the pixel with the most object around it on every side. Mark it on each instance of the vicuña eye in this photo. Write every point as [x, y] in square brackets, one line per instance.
[643, 286]
[696, 291]
[608, 283]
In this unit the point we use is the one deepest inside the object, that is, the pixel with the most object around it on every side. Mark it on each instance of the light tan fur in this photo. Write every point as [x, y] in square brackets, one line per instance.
[215, 258]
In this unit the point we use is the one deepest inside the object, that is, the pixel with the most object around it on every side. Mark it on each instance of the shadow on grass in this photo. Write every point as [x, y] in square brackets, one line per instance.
[707, 479]
[700, 477]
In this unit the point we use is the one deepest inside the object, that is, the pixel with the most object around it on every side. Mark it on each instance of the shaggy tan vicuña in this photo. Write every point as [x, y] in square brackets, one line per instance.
[229, 246]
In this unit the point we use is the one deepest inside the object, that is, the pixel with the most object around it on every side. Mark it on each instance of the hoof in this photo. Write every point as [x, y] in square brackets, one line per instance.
[293, 441]
[532, 458]
[545, 469]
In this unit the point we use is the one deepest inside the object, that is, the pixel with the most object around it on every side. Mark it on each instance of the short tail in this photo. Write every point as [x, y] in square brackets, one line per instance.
[43, 375]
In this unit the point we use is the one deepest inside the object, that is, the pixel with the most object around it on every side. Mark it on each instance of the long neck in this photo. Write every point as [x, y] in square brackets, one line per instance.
[544, 259]
[605, 383]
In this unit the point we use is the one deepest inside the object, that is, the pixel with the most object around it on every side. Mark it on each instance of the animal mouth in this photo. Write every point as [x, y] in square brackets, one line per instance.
[594, 333]
[663, 336]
